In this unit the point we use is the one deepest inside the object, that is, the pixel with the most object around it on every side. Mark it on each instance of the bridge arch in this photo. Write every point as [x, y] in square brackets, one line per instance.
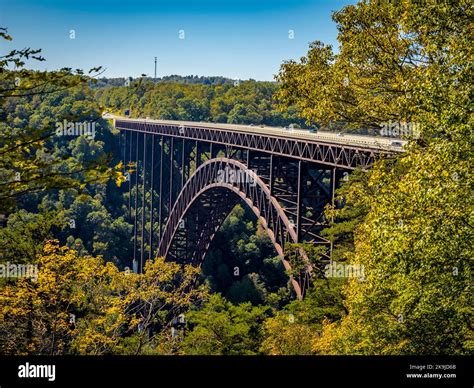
[222, 176]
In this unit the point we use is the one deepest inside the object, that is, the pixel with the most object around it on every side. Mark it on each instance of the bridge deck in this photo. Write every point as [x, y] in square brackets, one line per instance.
[364, 141]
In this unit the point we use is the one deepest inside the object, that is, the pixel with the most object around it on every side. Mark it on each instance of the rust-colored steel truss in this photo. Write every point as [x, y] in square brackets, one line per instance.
[323, 152]
[186, 180]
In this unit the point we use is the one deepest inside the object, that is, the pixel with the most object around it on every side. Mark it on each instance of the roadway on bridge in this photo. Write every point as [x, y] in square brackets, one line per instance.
[374, 142]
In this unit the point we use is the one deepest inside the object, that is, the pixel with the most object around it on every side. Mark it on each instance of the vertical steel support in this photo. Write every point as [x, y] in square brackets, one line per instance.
[270, 175]
[197, 156]
[160, 209]
[130, 179]
[152, 187]
[183, 162]
[125, 151]
[333, 188]
[298, 201]
[142, 242]
[171, 176]
[136, 204]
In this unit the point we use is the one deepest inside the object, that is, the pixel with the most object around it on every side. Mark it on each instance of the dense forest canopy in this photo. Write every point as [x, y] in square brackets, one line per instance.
[243, 102]
[410, 219]
[178, 79]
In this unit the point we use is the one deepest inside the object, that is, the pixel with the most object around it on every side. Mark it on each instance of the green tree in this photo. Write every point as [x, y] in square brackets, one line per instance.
[79, 304]
[408, 62]
[26, 162]
[294, 329]
[25, 234]
[221, 328]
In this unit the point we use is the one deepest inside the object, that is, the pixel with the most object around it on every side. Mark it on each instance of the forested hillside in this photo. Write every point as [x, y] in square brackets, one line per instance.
[245, 102]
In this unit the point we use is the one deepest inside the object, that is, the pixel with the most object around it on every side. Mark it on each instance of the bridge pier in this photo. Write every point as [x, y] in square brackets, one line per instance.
[152, 191]
[135, 212]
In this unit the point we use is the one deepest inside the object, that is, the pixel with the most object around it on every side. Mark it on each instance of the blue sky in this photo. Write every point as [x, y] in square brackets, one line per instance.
[237, 39]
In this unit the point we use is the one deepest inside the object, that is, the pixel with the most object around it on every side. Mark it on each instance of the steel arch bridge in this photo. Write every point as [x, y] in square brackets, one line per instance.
[188, 177]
